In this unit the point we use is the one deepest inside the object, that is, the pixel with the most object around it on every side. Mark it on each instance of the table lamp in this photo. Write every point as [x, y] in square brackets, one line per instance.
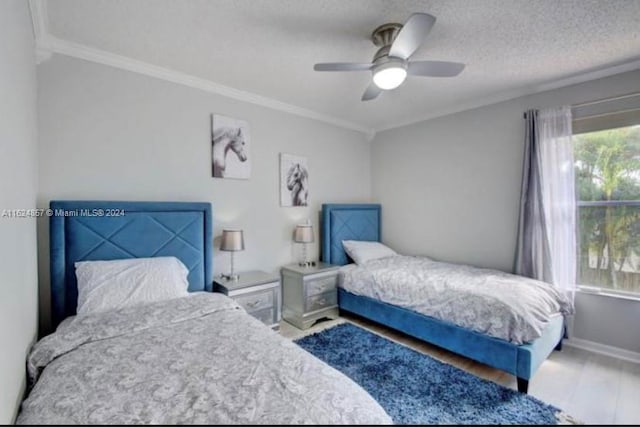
[232, 241]
[303, 234]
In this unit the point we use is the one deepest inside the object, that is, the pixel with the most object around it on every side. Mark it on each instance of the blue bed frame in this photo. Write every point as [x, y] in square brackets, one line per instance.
[362, 222]
[107, 230]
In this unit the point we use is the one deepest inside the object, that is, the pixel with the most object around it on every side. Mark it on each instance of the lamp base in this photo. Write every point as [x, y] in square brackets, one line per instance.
[307, 263]
[230, 277]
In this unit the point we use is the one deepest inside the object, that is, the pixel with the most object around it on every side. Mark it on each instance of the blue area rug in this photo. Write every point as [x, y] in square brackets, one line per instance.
[416, 389]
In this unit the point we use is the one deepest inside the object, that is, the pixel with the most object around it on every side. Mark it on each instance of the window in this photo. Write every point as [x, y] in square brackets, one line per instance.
[607, 166]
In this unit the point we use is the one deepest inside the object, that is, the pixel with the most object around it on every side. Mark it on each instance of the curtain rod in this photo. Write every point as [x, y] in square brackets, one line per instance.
[599, 101]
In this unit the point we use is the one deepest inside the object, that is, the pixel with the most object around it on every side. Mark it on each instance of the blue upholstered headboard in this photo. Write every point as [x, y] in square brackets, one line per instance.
[107, 230]
[347, 222]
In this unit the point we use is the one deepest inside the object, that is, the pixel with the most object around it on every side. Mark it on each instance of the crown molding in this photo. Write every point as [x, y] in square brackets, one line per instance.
[40, 27]
[590, 75]
[458, 108]
[529, 90]
[39, 19]
[52, 44]
[43, 55]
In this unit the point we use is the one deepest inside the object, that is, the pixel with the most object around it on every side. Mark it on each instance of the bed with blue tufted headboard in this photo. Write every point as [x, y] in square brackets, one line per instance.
[347, 222]
[191, 359]
[363, 222]
[83, 230]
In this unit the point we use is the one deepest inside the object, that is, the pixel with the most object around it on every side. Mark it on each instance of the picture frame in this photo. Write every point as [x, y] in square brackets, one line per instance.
[294, 180]
[230, 147]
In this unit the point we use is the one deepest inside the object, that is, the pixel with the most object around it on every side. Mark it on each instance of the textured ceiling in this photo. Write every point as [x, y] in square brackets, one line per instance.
[268, 47]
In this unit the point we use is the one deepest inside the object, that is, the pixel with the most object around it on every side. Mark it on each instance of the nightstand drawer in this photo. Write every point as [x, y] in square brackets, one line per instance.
[317, 302]
[256, 301]
[321, 285]
[265, 316]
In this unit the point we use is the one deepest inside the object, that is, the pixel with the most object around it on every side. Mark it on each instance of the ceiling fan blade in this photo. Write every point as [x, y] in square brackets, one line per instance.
[342, 66]
[372, 92]
[434, 68]
[412, 35]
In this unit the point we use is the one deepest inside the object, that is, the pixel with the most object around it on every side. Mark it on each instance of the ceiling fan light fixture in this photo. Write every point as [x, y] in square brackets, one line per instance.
[393, 61]
[390, 75]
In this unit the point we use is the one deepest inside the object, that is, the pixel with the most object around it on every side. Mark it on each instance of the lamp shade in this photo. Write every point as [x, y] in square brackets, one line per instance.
[303, 233]
[232, 240]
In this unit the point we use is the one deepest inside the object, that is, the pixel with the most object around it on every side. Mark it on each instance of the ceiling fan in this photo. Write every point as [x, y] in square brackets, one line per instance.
[391, 63]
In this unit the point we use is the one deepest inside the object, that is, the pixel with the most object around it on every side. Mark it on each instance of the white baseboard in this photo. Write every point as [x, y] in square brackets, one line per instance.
[607, 350]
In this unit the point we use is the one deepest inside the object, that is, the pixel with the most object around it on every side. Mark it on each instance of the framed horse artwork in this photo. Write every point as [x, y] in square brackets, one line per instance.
[294, 180]
[230, 155]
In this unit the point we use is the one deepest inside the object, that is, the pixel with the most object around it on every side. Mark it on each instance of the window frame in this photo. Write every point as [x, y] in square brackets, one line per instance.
[593, 289]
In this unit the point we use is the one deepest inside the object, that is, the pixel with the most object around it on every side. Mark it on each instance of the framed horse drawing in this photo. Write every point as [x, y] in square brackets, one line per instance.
[230, 154]
[294, 180]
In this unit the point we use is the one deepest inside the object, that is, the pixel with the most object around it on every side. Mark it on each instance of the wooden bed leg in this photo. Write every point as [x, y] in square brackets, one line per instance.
[523, 385]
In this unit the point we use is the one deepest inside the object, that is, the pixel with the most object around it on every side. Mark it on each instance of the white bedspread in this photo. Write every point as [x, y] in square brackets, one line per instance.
[492, 302]
[200, 359]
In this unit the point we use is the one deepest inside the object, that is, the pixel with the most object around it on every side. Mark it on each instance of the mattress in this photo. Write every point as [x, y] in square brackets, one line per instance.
[492, 302]
[199, 359]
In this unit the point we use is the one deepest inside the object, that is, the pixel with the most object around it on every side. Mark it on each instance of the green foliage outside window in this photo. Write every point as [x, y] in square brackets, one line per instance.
[607, 166]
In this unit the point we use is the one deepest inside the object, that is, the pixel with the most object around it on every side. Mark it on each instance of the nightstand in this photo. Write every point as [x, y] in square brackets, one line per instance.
[257, 292]
[309, 293]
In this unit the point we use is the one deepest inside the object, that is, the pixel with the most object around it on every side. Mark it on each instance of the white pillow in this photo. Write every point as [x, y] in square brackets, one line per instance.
[111, 285]
[363, 251]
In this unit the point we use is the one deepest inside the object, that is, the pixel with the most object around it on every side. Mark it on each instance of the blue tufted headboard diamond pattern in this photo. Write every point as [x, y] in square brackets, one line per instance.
[347, 222]
[82, 231]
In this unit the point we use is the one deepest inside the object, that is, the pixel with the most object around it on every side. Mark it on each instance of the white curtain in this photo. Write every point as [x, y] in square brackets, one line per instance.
[547, 231]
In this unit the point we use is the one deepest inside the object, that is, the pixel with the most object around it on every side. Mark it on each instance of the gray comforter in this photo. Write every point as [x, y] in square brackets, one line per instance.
[492, 302]
[198, 359]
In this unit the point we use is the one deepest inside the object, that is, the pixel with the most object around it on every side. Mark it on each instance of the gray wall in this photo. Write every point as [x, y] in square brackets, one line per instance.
[450, 188]
[18, 181]
[111, 134]
[608, 320]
